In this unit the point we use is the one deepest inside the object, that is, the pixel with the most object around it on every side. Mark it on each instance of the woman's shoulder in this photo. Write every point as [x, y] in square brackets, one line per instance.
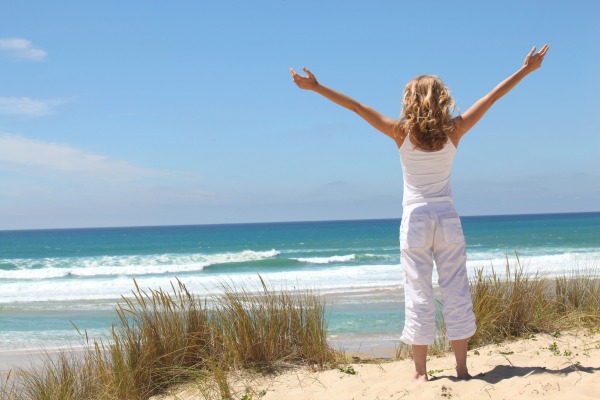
[456, 130]
[400, 133]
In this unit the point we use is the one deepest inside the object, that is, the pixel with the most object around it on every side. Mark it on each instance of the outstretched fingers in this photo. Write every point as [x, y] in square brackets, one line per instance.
[544, 50]
[534, 60]
[296, 77]
[304, 82]
[310, 74]
[542, 53]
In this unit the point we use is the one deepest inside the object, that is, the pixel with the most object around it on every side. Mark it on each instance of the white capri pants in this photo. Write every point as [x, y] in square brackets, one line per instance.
[432, 231]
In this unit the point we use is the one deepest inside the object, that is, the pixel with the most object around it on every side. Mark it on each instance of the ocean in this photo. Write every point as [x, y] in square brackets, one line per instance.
[51, 280]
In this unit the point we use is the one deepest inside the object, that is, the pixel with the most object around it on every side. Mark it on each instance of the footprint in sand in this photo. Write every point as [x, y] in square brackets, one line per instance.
[446, 392]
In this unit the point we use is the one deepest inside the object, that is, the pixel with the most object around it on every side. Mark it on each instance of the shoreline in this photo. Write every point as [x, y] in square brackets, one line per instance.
[23, 358]
[368, 346]
[375, 342]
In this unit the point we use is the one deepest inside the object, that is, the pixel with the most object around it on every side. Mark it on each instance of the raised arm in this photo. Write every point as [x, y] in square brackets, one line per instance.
[377, 120]
[470, 117]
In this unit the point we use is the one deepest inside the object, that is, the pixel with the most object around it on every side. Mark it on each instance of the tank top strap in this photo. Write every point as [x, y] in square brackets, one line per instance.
[406, 142]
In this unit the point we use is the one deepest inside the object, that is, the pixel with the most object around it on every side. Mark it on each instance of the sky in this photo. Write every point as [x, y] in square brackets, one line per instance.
[137, 113]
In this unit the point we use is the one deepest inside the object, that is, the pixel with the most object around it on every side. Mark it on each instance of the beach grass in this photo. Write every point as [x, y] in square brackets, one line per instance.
[164, 339]
[519, 304]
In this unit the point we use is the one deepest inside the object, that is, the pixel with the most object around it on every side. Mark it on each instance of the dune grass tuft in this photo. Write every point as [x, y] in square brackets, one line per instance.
[268, 329]
[519, 303]
[162, 339]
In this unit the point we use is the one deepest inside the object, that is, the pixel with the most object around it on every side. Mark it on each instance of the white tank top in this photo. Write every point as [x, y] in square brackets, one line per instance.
[426, 173]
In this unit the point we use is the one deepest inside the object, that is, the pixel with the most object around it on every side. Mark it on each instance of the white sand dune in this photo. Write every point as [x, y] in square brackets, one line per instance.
[544, 366]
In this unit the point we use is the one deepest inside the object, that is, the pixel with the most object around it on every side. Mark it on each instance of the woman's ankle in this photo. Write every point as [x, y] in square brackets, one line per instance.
[419, 377]
[462, 373]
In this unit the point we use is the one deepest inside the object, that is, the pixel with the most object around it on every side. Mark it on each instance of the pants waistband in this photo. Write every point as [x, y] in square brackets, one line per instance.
[425, 200]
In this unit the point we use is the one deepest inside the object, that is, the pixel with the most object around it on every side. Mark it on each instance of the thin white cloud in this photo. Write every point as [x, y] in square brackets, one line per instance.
[22, 48]
[18, 152]
[28, 107]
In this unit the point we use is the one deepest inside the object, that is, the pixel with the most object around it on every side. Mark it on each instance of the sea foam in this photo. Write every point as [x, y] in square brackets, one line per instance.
[51, 268]
[326, 260]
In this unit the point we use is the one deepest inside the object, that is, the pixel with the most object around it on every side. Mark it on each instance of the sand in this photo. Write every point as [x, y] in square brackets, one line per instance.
[19, 359]
[13, 361]
[542, 366]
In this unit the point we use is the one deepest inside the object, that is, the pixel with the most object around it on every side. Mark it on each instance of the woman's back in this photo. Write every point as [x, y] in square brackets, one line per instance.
[426, 173]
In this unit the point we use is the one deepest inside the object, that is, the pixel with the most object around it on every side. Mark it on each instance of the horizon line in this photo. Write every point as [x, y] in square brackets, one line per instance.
[282, 222]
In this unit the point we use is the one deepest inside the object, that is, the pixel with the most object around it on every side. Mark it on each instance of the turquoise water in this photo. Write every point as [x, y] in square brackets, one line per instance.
[51, 277]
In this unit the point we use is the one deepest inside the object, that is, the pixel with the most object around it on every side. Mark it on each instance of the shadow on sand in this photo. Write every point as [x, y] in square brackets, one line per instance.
[502, 372]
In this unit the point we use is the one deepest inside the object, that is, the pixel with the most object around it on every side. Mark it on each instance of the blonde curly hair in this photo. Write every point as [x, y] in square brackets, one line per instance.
[427, 109]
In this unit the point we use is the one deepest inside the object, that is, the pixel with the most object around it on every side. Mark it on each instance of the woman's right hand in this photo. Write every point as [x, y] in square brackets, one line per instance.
[534, 60]
[304, 82]
[474, 113]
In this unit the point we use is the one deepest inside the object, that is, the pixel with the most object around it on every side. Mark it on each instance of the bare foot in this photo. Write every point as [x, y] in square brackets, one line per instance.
[420, 377]
[463, 374]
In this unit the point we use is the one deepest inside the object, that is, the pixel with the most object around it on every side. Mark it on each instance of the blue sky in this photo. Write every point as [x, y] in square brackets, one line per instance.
[120, 113]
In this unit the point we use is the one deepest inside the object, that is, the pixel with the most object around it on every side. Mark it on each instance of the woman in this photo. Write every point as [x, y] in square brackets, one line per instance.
[427, 136]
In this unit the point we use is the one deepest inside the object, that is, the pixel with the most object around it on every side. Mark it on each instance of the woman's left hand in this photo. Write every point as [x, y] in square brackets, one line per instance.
[304, 82]
[534, 60]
